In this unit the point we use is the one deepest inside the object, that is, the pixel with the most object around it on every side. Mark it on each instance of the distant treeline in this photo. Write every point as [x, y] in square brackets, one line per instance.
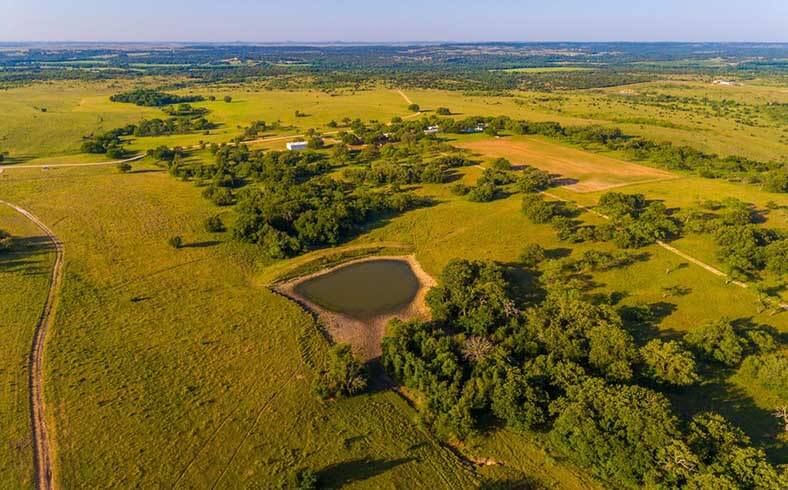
[153, 98]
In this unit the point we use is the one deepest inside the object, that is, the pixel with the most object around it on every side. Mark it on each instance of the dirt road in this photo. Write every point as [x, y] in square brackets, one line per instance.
[41, 448]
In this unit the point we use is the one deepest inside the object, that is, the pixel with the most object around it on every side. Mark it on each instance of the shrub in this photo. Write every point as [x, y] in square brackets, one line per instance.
[414, 108]
[302, 479]
[443, 111]
[532, 255]
[345, 376]
[228, 98]
[214, 224]
[5, 241]
[123, 167]
[460, 189]
[175, 241]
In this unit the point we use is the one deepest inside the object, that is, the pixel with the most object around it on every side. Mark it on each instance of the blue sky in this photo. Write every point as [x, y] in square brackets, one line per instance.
[397, 20]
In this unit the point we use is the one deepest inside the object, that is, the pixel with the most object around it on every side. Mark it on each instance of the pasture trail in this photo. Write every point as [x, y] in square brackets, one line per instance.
[59, 165]
[670, 249]
[41, 448]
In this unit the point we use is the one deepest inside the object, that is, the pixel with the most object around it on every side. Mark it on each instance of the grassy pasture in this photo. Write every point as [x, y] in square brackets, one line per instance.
[24, 276]
[176, 366]
[179, 367]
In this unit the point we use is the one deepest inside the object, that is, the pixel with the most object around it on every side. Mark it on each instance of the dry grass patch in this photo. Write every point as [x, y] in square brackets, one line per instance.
[584, 171]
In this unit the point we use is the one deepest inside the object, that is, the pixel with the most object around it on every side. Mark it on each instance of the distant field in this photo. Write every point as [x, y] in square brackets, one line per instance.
[582, 171]
[545, 69]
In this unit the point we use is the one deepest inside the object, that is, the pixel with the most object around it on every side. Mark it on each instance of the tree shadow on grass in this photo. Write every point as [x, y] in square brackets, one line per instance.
[643, 321]
[206, 244]
[736, 405]
[347, 472]
[22, 257]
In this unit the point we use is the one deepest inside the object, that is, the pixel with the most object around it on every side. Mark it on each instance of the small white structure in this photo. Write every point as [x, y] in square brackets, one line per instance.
[432, 130]
[297, 145]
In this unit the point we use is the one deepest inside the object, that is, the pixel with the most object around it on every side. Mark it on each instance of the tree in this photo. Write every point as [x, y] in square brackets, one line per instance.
[532, 255]
[619, 432]
[473, 295]
[443, 111]
[175, 241]
[414, 108]
[214, 224]
[6, 241]
[484, 192]
[718, 341]
[533, 180]
[519, 401]
[667, 362]
[228, 98]
[611, 351]
[501, 164]
[123, 167]
[537, 209]
[345, 376]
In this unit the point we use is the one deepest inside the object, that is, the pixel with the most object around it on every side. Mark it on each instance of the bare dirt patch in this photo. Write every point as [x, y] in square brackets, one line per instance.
[582, 171]
[365, 336]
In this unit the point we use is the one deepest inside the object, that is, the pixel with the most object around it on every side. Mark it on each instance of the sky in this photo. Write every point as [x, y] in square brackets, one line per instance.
[393, 21]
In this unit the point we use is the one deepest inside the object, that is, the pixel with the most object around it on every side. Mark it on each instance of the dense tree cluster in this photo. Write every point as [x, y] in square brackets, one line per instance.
[744, 247]
[568, 367]
[153, 98]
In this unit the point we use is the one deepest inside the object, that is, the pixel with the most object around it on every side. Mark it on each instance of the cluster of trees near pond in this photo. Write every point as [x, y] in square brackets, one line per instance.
[568, 367]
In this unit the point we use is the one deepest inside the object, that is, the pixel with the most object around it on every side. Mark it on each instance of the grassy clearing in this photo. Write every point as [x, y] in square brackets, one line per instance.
[586, 172]
[24, 277]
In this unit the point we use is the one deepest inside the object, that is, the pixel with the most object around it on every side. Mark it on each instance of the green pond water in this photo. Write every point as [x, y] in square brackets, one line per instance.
[365, 289]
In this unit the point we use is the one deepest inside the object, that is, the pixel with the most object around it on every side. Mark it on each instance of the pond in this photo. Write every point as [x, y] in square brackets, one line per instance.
[363, 290]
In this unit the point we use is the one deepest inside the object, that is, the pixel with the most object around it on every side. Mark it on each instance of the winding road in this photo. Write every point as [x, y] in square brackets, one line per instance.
[41, 447]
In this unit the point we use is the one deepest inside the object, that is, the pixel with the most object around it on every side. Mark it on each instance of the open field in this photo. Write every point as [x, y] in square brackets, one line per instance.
[24, 276]
[582, 171]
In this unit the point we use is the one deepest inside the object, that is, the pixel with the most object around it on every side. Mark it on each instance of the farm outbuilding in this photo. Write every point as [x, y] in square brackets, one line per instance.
[297, 145]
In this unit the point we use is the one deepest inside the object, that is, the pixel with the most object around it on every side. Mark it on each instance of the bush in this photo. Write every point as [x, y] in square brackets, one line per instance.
[5, 241]
[345, 376]
[532, 255]
[124, 167]
[537, 210]
[175, 241]
[221, 196]
[443, 111]
[460, 189]
[414, 108]
[228, 98]
[214, 224]
[303, 479]
[482, 193]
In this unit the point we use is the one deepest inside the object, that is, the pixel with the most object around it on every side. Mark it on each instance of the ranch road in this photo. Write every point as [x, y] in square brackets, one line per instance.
[41, 448]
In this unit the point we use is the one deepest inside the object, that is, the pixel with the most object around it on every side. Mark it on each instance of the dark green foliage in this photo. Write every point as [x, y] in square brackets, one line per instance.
[153, 98]
[633, 221]
[520, 401]
[501, 164]
[727, 344]
[221, 196]
[123, 167]
[302, 479]
[344, 376]
[443, 111]
[228, 98]
[484, 192]
[414, 108]
[619, 432]
[776, 180]
[669, 363]
[532, 255]
[286, 219]
[6, 241]
[175, 241]
[460, 189]
[537, 210]
[768, 371]
[533, 180]
[214, 224]
[472, 295]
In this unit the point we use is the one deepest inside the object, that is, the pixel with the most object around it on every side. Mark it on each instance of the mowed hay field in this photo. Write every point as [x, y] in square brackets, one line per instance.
[174, 367]
[582, 171]
[24, 277]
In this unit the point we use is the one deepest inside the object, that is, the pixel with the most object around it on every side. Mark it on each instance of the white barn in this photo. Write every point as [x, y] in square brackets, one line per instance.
[297, 145]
